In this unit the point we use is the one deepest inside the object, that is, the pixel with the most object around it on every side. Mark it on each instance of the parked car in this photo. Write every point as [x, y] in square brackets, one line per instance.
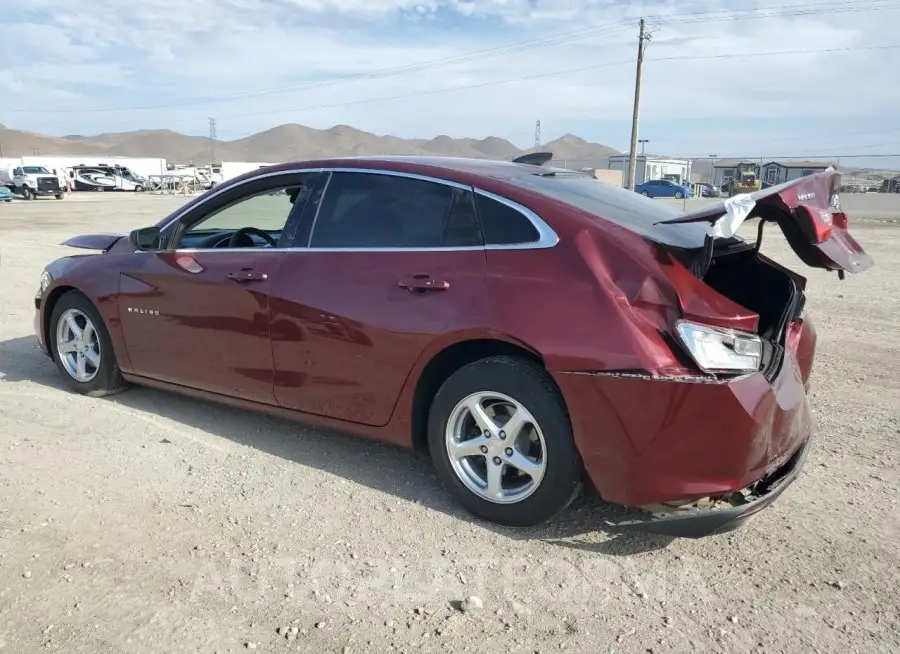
[528, 331]
[663, 188]
[5, 194]
[708, 190]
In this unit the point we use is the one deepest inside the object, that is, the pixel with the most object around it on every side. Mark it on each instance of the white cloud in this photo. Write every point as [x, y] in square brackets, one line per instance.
[170, 53]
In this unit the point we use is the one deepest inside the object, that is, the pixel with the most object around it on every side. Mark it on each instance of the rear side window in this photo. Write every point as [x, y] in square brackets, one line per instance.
[503, 225]
[370, 210]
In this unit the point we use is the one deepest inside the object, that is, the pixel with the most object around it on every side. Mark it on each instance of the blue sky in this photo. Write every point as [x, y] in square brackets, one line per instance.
[467, 68]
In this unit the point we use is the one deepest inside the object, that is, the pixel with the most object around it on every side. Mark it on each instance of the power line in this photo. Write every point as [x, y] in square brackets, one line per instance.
[769, 157]
[841, 6]
[591, 67]
[609, 64]
[818, 137]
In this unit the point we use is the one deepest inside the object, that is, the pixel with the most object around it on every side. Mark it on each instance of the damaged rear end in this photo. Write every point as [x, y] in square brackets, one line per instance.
[808, 214]
[779, 348]
[712, 422]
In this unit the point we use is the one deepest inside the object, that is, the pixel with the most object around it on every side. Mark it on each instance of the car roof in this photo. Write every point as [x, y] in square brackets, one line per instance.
[434, 164]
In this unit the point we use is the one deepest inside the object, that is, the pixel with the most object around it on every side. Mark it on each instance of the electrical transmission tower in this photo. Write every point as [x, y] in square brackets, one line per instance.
[537, 134]
[212, 141]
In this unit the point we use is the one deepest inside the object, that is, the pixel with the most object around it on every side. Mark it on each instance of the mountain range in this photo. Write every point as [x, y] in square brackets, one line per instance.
[286, 143]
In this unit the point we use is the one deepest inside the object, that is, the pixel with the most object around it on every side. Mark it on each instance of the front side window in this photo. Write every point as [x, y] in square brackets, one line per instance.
[373, 210]
[254, 221]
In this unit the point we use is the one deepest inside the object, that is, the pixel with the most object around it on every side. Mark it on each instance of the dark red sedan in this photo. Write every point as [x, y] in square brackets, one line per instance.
[529, 328]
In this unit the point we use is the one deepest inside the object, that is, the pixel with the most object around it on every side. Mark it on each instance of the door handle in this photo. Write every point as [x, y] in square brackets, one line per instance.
[422, 283]
[248, 275]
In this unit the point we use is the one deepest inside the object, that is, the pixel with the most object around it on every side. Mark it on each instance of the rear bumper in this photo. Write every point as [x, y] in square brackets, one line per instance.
[698, 523]
[648, 440]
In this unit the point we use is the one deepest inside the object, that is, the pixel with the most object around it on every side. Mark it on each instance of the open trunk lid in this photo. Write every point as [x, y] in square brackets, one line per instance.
[808, 212]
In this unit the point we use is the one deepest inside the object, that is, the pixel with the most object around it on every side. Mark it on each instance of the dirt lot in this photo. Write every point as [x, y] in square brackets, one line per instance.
[148, 522]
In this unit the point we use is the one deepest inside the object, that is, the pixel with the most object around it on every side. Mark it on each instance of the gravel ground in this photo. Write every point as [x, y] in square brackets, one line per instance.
[148, 522]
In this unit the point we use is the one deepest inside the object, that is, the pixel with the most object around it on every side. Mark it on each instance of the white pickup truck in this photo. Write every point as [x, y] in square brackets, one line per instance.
[36, 181]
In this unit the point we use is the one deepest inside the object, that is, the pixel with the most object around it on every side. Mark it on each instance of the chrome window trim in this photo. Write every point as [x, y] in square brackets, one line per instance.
[398, 173]
[468, 248]
[547, 238]
[219, 190]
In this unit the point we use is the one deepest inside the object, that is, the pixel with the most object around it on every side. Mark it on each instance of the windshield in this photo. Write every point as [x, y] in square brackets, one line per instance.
[35, 170]
[620, 206]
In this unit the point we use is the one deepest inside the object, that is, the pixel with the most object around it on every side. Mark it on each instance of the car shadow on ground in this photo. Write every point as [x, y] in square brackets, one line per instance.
[385, 468]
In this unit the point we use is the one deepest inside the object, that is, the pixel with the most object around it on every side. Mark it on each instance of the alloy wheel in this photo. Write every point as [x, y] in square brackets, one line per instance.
[78, 345]
[495, 447]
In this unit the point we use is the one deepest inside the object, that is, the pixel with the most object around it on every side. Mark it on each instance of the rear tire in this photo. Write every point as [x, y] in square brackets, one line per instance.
[87, 361]
[59, 196]
[483, 474]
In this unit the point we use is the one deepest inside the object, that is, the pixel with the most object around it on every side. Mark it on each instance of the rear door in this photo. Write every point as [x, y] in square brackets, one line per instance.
[393, 261]
[808, 212]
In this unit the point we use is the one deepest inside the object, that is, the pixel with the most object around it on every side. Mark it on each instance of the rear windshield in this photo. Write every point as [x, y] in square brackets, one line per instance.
[620, 206]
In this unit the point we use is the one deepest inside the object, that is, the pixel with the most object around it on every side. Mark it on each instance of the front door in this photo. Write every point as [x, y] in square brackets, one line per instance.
[197, 312]
[393, 262]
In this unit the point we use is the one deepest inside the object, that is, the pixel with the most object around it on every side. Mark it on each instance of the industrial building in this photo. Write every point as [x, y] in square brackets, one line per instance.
[778, 172]
[648, 167]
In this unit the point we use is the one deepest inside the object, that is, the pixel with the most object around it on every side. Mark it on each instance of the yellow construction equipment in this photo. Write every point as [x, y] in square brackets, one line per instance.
[747, 179]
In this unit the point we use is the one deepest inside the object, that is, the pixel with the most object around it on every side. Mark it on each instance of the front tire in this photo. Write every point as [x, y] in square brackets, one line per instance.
[81, 347]
[501, 442]
[679, 195]
[27, 193]
[645, 194]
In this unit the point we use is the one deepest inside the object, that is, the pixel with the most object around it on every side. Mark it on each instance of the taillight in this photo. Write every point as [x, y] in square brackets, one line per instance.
[839, 219]
[715, 349]
[822, 222]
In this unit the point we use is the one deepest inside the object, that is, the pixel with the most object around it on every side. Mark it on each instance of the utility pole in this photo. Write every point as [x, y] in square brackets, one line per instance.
[712, 169]
[537, 135]
[643, 37]
[212, 141]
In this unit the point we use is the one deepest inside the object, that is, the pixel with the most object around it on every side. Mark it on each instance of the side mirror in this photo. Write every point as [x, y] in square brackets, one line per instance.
[146, 238]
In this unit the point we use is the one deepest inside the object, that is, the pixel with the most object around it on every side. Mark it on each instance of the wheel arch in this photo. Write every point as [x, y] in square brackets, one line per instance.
[53, 297]
[47, 309]
[447, 361]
